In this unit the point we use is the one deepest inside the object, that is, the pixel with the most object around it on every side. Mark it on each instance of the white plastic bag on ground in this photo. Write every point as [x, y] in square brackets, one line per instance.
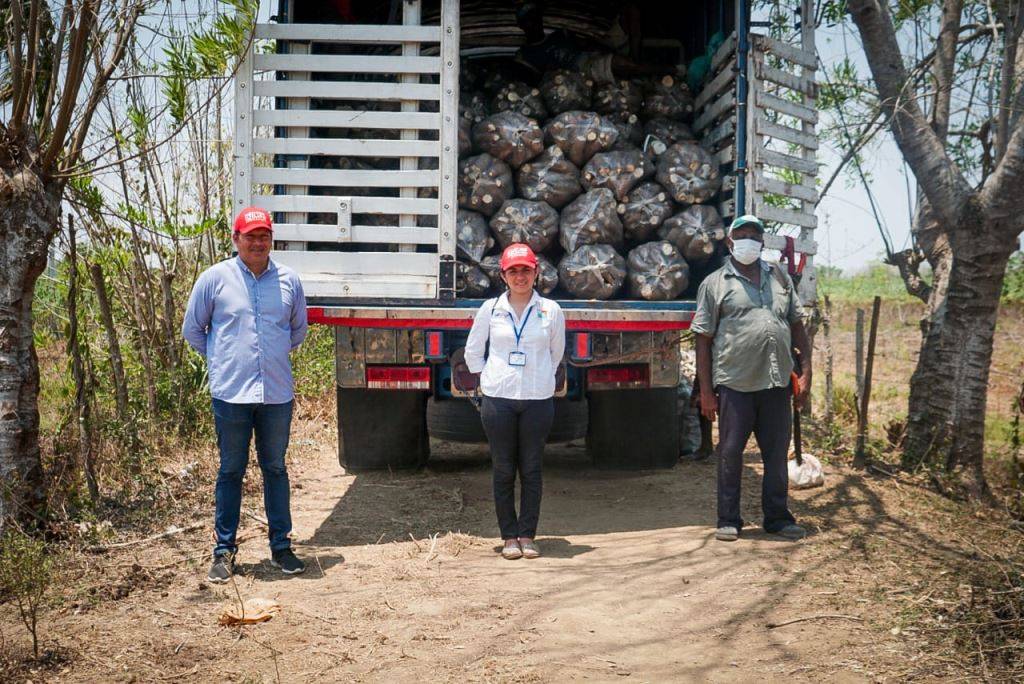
[807, 475]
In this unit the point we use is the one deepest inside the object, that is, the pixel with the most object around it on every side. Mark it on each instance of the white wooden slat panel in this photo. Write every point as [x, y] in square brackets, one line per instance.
[725, 130]
[780, 215]
[726, 155]
[310, 232]
[347, 119]
[786, 133]
[348, 90]
[349, 33]
[723, 80]
[345, 147]
[793, 109]
[802, 84]
[345, 178]
[359, 263]
[715, 111]
[775, 186]
[787, 161]
[374, 64]
[790, 53]
[360, 205]
[325, 285]
[449, 161]
[800, 244]
[726, 51]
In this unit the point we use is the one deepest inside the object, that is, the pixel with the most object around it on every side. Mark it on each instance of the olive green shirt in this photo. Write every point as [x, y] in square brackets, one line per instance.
[750, 327]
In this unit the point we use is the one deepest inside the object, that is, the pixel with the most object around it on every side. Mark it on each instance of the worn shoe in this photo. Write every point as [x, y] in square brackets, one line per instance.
[529, 547]
[727, 533]
[512, 550]
[285, 560]
[792, 531]
[222, 569]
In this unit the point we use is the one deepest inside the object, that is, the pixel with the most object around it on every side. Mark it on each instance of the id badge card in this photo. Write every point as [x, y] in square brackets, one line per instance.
[517, 358]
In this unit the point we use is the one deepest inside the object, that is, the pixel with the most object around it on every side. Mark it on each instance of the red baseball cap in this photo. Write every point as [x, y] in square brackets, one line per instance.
[518, 254]
[252, 218]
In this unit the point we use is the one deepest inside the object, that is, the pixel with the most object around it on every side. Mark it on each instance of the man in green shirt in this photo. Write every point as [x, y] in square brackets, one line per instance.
[748, 319]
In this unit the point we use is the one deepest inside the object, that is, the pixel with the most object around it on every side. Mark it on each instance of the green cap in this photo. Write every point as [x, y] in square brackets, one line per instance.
[746, 220]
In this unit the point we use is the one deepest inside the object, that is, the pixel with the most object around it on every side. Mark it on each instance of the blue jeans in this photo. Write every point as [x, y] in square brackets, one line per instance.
[235, 425]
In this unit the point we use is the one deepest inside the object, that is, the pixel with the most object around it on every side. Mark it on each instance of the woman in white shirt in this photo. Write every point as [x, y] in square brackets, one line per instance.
[526, 337]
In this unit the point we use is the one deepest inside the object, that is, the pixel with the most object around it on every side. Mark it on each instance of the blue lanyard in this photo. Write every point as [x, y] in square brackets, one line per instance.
[519, 331]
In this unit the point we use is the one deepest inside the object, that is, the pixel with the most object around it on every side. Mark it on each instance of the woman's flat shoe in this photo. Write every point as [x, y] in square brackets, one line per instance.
[530, 549]
[511, 550]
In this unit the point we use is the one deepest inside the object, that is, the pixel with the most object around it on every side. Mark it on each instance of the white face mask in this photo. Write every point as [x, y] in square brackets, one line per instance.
[746, 251]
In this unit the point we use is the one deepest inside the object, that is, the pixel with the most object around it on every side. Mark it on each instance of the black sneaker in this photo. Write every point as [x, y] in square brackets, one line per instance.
[286, 560]
[222, 569]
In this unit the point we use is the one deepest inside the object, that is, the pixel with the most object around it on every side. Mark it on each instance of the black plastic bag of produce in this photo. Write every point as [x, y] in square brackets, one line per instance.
[465, 139]
[547, 275]
[667, 97]
[485, 182]
[549, 178]
[473, 107]
[470, 280]
[491, 266]
[644, 210]
[592, 272]
[668, 132]
[695, 231]
[590, 219]
[563, 90]
[509, 136]
[618, 97]
[618, 170]
[520, 97]
[657, 271]
[472, 238]
[689, 173]
[631, 131]
[527, 221]
[580, 134]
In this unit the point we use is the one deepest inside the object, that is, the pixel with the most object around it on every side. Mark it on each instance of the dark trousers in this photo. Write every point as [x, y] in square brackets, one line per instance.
[236, 424]
[516, 432]
[769, 415]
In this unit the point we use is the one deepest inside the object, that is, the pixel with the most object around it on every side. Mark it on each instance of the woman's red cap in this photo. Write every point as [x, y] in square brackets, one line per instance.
[518, 254]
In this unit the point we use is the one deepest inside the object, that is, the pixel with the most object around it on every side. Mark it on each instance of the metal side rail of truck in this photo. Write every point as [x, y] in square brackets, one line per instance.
[321, 94]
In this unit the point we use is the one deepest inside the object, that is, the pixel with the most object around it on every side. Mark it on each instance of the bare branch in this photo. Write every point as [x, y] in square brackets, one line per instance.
[909, 264]
[939, 178]
[57, 51]
[19, 88]
[945, 63]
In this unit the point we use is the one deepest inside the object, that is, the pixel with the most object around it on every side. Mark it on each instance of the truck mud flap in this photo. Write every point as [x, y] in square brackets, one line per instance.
[456, 420]
[633, 429]
[381, 430]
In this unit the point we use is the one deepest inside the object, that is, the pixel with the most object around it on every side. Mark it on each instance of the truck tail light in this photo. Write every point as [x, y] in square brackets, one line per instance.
[619, 377]
[398, 377]
[581, 350]
[435, 346]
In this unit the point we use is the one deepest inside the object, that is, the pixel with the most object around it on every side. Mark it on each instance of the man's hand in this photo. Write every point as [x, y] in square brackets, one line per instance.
[708, 404]
[803, 389]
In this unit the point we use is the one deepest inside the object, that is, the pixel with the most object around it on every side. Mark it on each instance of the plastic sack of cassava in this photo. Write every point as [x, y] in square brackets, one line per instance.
[491, 266]
[695, 231]
[689, 173]
[472, 238]
[527, 221]
[631, 131]
[657, 271]
[580, 134]
[618, 97]
[470, 280]
[618, 170]
[592, 272]
[667, 97]
[465, 139]
[472, 107]
[547, 275]
[644, 210]
[510, 137]
[549, 178]
[563, 90]
[590, 219]
[485, 182]
[519, 97]
[668, 132]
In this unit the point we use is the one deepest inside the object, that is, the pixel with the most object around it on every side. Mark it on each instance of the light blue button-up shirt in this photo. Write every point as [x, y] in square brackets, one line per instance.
[245, 326]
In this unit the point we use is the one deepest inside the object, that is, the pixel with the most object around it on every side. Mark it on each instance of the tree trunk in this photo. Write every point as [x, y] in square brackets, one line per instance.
[949, 388]
[99, 282]
[29, 211]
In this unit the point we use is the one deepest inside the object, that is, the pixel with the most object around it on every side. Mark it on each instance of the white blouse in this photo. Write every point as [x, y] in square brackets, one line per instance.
[542, 341]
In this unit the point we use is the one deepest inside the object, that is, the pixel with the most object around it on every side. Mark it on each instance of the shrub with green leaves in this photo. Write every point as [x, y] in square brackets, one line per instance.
[26, 573]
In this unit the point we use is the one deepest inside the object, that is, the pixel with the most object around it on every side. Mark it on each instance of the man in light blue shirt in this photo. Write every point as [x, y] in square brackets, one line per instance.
[245, 316]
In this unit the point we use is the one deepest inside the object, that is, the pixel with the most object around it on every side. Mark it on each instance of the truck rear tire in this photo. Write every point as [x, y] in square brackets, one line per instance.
[633, 429]
[382, 429]
[456, 420]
